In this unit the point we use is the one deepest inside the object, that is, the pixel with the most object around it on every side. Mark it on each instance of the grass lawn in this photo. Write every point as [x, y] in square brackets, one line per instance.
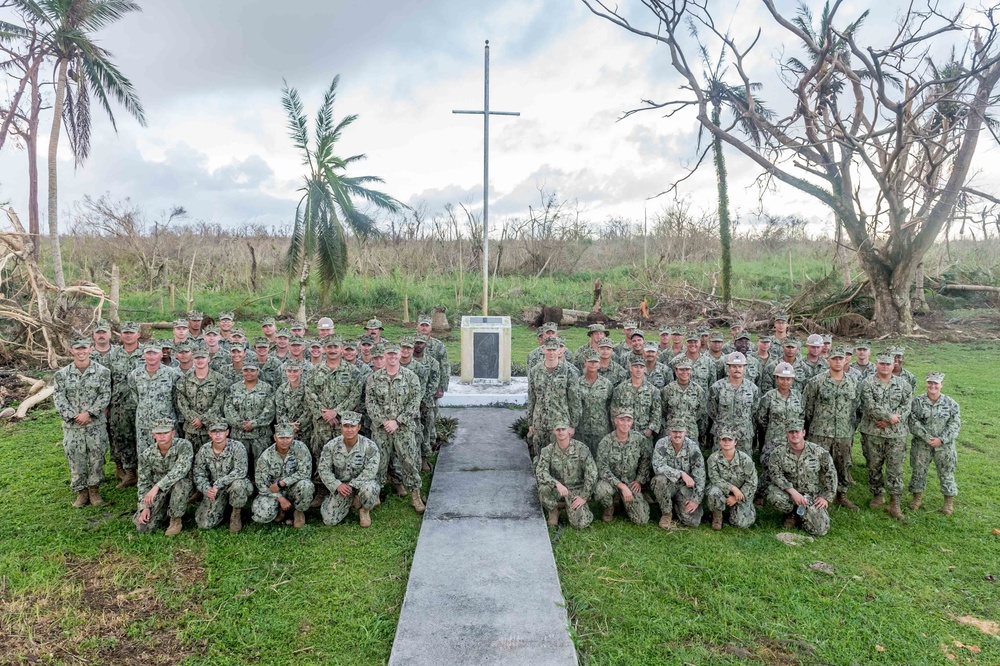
[80, 586]
[638, 595]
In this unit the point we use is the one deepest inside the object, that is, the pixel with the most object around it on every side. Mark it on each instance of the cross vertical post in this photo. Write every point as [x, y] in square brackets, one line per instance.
[486, 113]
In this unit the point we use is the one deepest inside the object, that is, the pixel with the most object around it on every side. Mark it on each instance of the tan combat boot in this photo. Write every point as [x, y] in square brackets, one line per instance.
[318, 497]
[95, 495]
[842, 500]
[666, 521]
[128, 479]
[175, 526]
[918, 501]
[356, 502]
[716, 520]
[425, 466]
[553, 517]
[280, 518]
[400, 490]
[235, 521]
[418, 504]
[877, 502]
[789, 523]
[299, 520]
[894, 509]
[82, 499]
[949, 505]
[364, 518]
[609, 514]
[119, 472]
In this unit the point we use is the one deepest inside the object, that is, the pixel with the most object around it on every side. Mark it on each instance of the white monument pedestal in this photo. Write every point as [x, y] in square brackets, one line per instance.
[485, 350]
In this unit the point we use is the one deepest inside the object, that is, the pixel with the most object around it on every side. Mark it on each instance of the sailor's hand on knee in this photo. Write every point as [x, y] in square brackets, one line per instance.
[344, 490]
[821, 503]
[144, 517]
[284, 503]
[686, 478]
[577, 502]
[635, 487]
[690, 506]
[561, 489]
[211, 493]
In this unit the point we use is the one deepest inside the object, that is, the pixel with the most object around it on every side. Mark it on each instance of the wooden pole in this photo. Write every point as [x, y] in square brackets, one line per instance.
[115, 293]
[173, 294]
[406, 309]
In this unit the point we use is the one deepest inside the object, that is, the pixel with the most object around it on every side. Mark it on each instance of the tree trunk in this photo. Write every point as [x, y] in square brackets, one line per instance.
[57, 106]
[725, 234]
[917, 291]
[303, 283]
[31, 142]
[840, 256]
[115, 294]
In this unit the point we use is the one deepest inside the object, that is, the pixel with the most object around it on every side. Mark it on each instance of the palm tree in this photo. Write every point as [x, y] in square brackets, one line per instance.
[721, 94]
[83, 69]
[328, 196]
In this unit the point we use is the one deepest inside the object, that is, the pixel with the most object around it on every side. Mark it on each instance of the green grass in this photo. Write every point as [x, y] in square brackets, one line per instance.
[271, 594]
[638, 595]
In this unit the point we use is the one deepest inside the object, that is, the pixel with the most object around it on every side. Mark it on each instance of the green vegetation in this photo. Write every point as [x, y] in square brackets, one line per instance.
[80, 586]
[638, 595]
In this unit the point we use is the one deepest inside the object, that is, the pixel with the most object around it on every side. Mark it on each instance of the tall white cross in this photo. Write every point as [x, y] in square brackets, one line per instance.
[486, 113]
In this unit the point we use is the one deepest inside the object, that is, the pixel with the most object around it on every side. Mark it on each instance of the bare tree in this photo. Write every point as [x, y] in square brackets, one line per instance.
[881, 133]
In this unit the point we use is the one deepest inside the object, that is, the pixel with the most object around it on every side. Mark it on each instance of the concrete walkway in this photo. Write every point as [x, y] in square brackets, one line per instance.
[483, 587]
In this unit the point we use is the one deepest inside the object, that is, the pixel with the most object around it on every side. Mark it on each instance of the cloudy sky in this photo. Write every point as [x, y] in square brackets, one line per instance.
[210, 74]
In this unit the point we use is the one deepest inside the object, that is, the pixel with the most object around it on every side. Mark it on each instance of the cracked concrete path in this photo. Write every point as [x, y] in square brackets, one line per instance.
[483, 588]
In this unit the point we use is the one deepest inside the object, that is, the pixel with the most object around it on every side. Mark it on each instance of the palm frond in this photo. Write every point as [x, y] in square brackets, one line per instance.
[297, 127]
[105, 79]
[102, 13]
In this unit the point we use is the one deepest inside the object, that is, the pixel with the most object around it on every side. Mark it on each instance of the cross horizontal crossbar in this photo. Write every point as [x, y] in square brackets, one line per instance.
[492, 113]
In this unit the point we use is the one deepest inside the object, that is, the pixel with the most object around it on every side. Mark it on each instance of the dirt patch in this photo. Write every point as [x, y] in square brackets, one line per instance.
[780, 652]
[107, 610]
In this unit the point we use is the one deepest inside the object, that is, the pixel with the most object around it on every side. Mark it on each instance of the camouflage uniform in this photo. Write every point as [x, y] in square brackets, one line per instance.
[295, 469]
[885, 446]
[85, 445]
[619, 462]
[703, 373]
[338, 389]
[774, 414]
[221, 360]
[806, 369]
[722, 476]
[614, 373]
[667, 485]
[422, 370]
[428, 406]
[660, 375]
[733, 407]
[927, 420]
[227, 473]
[121, 411]
[154, 399]
[767, 380]
[860, 373]
[255, 405]
[272, 371]
[644, 403]
[812, 474]
[291, 406]
[200, 399]
[170, 474]
[910, 378]
[553, 395]
[396, 399]
[829, 416]
[358, 467]
[595, 404]
[686, 404]
[574, 468]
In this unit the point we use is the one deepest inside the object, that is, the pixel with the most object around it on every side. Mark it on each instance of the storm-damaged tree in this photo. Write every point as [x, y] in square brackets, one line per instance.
[328, 197]
[890, 161]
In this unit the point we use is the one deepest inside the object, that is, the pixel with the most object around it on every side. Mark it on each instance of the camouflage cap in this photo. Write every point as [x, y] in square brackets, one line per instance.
[297, 340]
[130, 327]
[284, 430]
[250, 364]
[684, 364]
[227, 315]
[848, 350]
[637, 360]
[765, 338]
[791, 342]
[716, 337]
[216, 426]
[736, 324]
[898, 350]
[885, 357]
[268, 321]
[651, 346]
[315, 344]
[784, 370]
[333, 341]
[606, 342]
[636, 332]
[862, 344]
[666, 330]
[212, 330]
[424, 319]
[200, 352]
[102, 325]
[162, 426]
[183, 347]
[180, 323]
[742, 335]
[629, 323]
[80, 343]
[827, 339]
[374, 324]
[727, 433]
[195, 315]
[237, 347]
[324, 324]
[693, 336]
[261, 342]
[406, 341]
[238, 333]
[678, 330]
[676, 425]
[420, 337]
[623, 412]
[596, 328]
[297, 324]
[378, 350]
[589, 354]
[283, 333]
[936, 377]
[540, 332]
[167, 344]
[391, 347]
[350, 418]
[781, 316]
[795, 425]
[703, 330]
[815, 340]
[295, 364]
[366, 340]
[838, 352]
[550, 327]
[551, 343]
[736, 358]
[152, 347]
[351, 344]
[560, 423]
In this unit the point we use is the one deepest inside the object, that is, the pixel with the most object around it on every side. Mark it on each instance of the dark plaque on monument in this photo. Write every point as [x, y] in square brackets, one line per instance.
[486, 355]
